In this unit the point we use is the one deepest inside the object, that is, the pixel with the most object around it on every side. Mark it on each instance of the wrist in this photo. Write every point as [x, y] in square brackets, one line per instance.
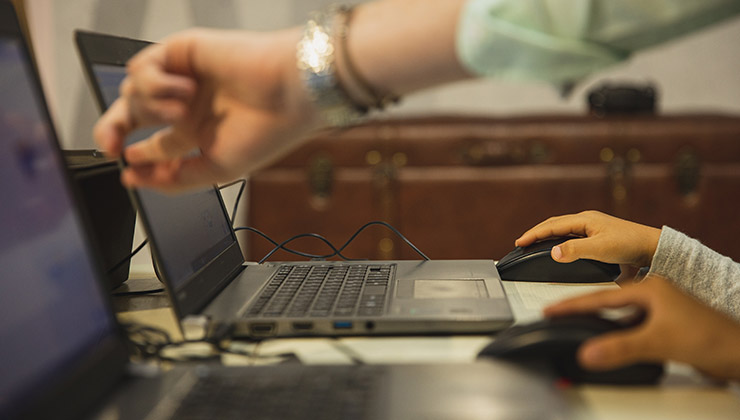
[652, 237]
[354, 83]
[720, 339]
[294, 96]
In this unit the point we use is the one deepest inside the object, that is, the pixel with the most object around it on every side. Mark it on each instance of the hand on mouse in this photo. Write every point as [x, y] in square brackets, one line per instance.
[602, 237]
[676, 327]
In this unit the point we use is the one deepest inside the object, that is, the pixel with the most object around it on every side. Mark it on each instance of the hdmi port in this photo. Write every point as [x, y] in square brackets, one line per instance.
[303, 326]
[262, 330]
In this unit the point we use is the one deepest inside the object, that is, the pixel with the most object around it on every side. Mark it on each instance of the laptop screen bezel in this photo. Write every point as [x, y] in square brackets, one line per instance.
[203, 285]
[95, 48]
[84, 384]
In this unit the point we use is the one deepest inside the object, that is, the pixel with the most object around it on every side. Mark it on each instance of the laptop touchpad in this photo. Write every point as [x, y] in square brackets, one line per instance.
[442, 289]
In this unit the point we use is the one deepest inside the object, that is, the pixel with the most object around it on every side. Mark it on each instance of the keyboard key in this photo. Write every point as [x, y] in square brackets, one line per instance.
[316, 290]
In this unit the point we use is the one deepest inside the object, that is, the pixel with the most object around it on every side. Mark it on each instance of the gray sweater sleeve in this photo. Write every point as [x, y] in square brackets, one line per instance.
[698, 270]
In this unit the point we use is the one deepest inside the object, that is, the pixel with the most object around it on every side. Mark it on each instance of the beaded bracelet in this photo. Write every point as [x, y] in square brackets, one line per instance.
[357, 86]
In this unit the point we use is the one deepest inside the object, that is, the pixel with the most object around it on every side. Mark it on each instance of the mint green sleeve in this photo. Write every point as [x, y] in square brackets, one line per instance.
[561, 41]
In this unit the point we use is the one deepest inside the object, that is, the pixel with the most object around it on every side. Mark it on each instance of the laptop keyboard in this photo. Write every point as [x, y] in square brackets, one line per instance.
[283, 393]
[302, 290]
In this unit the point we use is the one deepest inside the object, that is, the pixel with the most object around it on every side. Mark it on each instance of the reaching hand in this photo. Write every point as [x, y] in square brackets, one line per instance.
[676, 327]
[235, 96]
[602, 237]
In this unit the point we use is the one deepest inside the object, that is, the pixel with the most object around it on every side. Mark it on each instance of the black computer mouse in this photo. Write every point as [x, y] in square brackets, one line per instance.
[534, 263]
[553, 342]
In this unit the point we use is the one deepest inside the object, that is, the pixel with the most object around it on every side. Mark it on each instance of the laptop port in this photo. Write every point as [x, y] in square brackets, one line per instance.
[302, 326]
[342, 325]
[262, 330]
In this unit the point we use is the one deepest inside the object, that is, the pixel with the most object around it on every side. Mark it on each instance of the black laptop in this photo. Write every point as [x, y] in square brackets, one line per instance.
[202, 265]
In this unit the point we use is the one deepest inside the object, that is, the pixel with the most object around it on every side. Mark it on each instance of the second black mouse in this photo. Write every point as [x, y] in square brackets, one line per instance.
[534, 263]
[553, 344]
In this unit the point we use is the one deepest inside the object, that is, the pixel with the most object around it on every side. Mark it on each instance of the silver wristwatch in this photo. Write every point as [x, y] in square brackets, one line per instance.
[315, 57]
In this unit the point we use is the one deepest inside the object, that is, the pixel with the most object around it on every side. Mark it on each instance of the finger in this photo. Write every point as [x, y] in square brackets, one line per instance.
[574, 249]
[150, 79]
[180, 56]
[126, 88]
[159, 111]
[165, 144]
[157, 96]
[162, 176]
[613, 350]
[554, 226]
[593, 302]
[174, 175]
[112, 128]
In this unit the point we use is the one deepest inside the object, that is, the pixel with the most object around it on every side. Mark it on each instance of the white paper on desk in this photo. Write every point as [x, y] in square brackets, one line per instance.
[529, 298]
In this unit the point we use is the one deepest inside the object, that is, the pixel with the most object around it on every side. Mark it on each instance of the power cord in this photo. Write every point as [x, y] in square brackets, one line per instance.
[138, 292]
[151, 343]
[243, 183]
[282, 245]
[292, 251]
[128, 258]
[337, 252]
[392, 229]
[347, 351]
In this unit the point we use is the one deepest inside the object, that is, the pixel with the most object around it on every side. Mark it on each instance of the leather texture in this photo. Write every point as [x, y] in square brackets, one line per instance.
[466, 187]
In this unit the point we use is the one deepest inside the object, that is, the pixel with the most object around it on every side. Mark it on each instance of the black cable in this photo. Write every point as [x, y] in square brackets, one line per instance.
[347, 351]
[149, 342]
[292, 251]
[337, 252]
[128, 258]
[238, 196]
[281, 245]
[138, 292]
[392, 229]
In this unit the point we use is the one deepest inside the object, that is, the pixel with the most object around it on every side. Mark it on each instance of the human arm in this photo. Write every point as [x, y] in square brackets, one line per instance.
[676, 327]
[239, 98]
[698, 270]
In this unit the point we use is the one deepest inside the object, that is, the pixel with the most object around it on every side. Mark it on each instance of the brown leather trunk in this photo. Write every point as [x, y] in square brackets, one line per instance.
[467, 187]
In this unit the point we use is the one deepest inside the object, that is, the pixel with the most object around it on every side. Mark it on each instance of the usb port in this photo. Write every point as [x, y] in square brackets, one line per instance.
[303, 326]
[342, 325]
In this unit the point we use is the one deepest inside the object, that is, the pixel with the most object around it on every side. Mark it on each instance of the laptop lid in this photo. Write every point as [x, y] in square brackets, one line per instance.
[60, 347]
[194, 245]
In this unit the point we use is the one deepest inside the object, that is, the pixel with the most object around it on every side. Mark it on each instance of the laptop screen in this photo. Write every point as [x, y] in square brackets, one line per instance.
[189, 229]
[53, 311]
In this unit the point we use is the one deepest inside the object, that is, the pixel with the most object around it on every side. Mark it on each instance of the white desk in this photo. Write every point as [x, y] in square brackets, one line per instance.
[683, 394]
